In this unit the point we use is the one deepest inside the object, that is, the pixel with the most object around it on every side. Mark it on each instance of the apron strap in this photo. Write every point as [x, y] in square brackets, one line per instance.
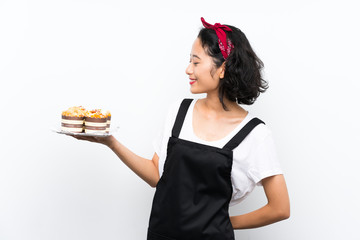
[240, 136]
[180, 117]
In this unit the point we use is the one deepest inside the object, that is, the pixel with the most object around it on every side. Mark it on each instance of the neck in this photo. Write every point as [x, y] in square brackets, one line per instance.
[213, 104]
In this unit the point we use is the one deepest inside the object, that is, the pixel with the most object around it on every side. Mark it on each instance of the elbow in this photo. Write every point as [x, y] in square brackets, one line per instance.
[283, 214]
[153, 183]
[279, 213]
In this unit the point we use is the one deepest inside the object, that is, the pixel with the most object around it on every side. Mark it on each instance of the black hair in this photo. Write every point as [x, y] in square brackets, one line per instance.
[243, 81]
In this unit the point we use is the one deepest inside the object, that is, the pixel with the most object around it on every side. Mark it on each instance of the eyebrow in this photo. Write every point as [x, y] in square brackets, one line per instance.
[195, 56]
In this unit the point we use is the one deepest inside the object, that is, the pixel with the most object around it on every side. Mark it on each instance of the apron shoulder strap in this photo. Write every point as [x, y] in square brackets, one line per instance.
[240, 136]
[180, 117]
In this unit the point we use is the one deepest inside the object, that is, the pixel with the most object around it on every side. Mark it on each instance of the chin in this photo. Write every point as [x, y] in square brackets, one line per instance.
[195, 92]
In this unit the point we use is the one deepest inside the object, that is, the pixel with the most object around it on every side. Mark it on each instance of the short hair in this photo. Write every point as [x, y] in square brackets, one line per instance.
[243, 81]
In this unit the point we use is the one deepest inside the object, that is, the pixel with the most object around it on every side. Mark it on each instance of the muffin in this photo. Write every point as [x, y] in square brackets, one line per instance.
[72, 119]
[95, 121]
[108, 117]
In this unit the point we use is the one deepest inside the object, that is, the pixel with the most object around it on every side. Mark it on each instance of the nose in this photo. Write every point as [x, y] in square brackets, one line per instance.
[189, 69]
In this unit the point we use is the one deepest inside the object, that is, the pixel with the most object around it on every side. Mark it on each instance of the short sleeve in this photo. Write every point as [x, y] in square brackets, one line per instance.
[161, 139]
[264, 161]
[157, 142]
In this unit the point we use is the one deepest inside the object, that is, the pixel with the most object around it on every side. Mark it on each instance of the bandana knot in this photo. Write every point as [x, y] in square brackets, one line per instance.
[225, 44]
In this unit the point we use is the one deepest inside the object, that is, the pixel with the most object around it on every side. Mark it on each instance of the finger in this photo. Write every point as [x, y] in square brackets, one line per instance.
[81, 137]
[77, 137]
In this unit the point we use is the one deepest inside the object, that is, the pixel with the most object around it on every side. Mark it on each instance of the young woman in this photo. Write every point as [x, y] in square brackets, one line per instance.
[212, 152]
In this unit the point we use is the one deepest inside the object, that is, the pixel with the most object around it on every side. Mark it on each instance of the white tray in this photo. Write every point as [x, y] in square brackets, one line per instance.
[94, 134]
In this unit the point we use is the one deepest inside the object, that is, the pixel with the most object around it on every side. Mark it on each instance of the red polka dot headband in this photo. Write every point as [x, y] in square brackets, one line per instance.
[225, 44]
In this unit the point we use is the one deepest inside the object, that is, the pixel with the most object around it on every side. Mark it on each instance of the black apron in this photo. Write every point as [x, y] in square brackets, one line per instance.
[191, 200]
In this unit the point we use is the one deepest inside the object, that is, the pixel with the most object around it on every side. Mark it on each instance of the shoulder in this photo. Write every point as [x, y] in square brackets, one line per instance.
[172, 110]
[257, 153]
[175, 105]
[259, 134]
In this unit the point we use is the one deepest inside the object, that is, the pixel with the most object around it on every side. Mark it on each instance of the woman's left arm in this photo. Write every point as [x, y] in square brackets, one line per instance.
[277, 208]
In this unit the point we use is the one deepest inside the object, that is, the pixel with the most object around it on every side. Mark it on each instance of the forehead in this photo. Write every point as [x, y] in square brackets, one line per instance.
[197, 49]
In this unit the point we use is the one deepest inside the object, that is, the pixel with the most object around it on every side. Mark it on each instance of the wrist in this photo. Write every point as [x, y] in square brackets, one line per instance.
[233, 222]
[110, 142]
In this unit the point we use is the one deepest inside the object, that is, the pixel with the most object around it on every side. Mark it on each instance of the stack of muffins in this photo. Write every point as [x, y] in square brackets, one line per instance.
[78, 119]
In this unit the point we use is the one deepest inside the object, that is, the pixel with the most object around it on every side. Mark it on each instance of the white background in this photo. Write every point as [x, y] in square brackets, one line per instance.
[131, 58]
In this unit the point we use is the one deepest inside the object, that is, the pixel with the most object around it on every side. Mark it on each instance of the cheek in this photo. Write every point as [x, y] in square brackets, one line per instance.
[203, 71]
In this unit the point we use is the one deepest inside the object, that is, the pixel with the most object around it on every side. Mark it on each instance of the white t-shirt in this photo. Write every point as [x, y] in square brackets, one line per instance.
[253, 160]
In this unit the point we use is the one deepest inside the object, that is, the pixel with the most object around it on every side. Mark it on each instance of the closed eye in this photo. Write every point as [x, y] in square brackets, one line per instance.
[195, 63]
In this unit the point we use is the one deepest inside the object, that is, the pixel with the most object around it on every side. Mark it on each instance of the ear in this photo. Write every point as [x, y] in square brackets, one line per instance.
[222, 70]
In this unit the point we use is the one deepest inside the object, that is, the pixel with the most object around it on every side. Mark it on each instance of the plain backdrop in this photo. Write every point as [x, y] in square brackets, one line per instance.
[130, 57]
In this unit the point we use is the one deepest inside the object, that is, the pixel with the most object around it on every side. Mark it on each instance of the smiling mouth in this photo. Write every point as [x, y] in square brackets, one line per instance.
[192, 81]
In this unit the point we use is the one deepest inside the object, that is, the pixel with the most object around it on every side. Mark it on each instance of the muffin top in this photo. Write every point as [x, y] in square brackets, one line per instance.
[107, 113]
[95, 113]
[77, 111]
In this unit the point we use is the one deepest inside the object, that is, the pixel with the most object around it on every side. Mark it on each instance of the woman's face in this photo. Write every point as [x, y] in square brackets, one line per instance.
[203, 74]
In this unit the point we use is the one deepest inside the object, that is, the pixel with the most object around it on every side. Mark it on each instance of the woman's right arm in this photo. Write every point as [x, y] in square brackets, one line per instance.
[145, 168]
